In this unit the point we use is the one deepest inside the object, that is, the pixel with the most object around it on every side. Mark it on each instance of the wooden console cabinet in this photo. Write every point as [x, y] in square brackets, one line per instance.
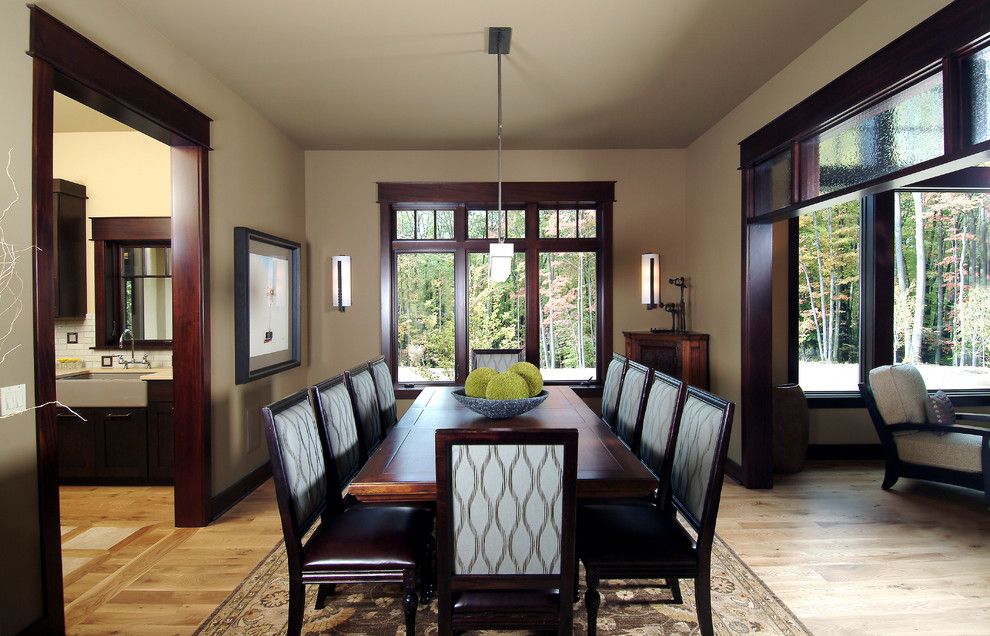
[682, 355]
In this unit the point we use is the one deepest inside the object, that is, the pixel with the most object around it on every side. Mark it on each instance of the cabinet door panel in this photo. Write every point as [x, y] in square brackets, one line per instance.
[161, 440]
[76, 448]
[665, 357]
[122, 444]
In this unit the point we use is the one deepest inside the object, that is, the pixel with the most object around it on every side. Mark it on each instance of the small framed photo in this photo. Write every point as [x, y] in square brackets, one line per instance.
[267, 304]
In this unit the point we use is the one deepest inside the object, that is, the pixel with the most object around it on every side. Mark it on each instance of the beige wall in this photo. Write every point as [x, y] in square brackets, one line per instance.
[342, 218]
[713, 184]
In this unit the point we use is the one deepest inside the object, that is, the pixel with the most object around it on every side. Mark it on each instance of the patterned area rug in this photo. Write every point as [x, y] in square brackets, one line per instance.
[741, 603]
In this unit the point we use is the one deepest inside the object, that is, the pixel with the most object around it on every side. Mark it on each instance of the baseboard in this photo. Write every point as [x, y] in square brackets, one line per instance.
[37, 628]
[845, 451]
[733, 470]
[224, 501]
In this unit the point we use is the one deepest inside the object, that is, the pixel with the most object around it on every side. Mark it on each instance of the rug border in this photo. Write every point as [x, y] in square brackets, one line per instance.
[216, 610]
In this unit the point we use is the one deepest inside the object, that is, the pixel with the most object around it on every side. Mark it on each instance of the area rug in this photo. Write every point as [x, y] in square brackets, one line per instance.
[741, 603]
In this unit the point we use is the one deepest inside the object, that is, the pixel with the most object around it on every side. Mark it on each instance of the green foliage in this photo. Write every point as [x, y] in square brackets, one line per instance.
[477, 381]
[530, 373]
[507, 386]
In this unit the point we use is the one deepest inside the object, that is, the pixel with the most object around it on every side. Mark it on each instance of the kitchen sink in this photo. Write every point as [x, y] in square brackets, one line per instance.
[95, 389]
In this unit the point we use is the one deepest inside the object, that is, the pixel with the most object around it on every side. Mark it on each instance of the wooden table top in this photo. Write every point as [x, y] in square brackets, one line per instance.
[403, 468]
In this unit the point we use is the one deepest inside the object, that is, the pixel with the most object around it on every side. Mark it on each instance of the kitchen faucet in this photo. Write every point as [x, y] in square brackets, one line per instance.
[127, 363]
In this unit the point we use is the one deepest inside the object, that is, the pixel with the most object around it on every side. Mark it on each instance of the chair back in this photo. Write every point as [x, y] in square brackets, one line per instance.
[299, 470]
[506, 510]
[699, 462]
[900, 394]
[365, 400]
[382, 377]
[628, 415]
[613, 385]
[335, 415]
[661, 419]
[498, 359]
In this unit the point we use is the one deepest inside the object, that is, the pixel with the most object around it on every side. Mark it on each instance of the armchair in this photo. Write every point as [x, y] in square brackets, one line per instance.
[916, 448]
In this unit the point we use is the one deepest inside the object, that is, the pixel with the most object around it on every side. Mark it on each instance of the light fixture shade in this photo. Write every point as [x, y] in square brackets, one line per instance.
[500, 261]
[340, 277]
[651, 280]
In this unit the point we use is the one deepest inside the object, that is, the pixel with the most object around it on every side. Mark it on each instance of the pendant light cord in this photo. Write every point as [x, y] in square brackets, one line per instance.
[501, 213]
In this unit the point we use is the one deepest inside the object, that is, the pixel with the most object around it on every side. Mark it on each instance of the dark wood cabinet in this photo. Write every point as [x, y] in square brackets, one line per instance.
[682, 355]
[69, 229]
[121, 443]
[76, 444]
[161, 432]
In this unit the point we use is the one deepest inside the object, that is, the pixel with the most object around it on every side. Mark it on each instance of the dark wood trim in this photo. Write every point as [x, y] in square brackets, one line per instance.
[132, 229]
[230, 496]
[968, 179]
[845, 451]
[40, 627]
[877, 282]
[733, 470]
[942, 35]
[793, 299]
[487, 192]
[97, 78]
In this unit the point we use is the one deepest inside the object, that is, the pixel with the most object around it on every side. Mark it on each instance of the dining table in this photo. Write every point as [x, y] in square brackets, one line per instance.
[403, 467]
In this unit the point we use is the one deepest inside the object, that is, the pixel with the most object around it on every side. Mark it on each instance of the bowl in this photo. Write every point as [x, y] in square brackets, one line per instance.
[499, 409]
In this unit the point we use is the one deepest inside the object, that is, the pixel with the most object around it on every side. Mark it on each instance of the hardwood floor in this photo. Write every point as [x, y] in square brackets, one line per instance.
[845, 556]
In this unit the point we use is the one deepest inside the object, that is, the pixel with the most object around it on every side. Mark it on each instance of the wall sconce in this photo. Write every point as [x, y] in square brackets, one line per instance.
[651, 280]
[340, 281]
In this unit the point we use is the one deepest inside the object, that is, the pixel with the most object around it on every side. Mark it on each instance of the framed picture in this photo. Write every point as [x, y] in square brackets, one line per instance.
[267, 304]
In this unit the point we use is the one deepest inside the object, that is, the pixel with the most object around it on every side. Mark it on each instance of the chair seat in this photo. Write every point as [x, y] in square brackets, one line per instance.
[637, 534]
[956, 451]
[369, 537]
[515, 601]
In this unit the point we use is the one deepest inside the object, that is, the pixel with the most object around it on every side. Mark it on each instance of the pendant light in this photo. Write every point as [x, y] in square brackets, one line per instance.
[499, 254]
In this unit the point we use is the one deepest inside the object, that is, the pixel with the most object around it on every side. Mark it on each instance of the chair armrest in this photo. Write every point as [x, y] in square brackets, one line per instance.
[976, 417]
[941, 428]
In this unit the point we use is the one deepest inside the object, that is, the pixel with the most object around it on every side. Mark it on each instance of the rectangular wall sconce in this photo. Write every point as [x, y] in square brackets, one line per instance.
[651, 280]
[340, 278]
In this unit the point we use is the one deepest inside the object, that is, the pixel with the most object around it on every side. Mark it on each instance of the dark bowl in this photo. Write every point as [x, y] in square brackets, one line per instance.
[499, 409]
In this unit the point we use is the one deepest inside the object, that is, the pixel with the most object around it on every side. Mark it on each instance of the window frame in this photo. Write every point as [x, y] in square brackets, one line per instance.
[461, 197]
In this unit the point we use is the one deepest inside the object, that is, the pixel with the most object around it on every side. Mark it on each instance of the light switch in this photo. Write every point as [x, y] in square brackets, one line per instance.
[13, 399]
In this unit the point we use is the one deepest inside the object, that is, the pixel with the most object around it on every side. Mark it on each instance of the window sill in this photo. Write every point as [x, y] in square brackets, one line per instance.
[853, 400]
[403, 392]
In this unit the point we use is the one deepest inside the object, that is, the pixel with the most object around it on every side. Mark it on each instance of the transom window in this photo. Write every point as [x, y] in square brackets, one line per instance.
[443, 303]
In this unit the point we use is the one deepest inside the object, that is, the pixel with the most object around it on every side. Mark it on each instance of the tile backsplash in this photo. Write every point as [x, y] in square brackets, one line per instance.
[86, 330]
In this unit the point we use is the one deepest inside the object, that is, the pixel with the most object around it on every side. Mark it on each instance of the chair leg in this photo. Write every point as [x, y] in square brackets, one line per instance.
[675, 590]
[703, 602]
[592, 599]
[297, 605]
[325, 590]
[410, 601]
[428, 582]
[889, 477]
[577, 581]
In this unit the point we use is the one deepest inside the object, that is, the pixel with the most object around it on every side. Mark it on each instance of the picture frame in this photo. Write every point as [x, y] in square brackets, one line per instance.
[267, 305]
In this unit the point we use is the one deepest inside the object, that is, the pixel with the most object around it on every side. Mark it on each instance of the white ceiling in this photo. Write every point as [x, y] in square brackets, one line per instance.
[415, 74]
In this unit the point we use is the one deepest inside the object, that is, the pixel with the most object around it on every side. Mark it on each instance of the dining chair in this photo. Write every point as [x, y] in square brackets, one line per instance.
[498, 359]
[629, 413]
[643, 540]
[385, 391]
[505, 529]
[335, 416]
[360, 543]
[361, 386]
[613, 386]
[661, 421]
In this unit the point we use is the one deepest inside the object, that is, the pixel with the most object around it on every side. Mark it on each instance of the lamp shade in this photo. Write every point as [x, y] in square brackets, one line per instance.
[340, 281]
[500, 261]
[651, 280]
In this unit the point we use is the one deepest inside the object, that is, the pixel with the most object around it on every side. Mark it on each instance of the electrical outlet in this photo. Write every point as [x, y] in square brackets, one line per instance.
[13, 399]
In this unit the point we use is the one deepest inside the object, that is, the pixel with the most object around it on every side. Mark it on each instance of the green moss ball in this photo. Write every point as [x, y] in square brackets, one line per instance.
[507, 386]
[477, 382]
[531, 373]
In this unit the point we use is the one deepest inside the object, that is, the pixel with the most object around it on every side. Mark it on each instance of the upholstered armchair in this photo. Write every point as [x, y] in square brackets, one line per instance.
[915, 443]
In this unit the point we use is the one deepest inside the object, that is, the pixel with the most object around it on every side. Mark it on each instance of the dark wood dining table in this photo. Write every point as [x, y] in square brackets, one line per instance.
[403, 468]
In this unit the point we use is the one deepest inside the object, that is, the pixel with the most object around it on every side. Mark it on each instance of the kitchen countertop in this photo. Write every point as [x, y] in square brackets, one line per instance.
[152, 375]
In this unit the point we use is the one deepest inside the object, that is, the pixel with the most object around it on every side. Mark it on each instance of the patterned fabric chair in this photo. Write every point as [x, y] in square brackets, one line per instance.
[643, 540]
[356, 544]
[914, 444]
[505, 529]
[628, 415]
[661, 419]
[361, 386]
[498, 359]
[382, 377]
[613, 386]
[335, 415]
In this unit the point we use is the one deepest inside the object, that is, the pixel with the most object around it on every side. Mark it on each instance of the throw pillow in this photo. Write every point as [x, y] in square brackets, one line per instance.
[940, 409]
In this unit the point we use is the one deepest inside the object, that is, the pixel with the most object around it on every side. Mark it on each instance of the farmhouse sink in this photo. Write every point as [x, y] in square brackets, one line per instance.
[96, 389]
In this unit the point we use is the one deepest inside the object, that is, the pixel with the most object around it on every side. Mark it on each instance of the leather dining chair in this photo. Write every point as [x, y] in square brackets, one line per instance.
[505, 529]
[613, 386]
[629, 413]
[643, 540]
[360, 543]
[382, 377]
[335, 415]
[361, 386]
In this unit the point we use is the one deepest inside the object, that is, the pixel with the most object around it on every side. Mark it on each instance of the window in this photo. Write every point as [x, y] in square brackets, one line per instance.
[145, 288]
[942, 287]
[829, 298]
[977, 74]
[444, 304]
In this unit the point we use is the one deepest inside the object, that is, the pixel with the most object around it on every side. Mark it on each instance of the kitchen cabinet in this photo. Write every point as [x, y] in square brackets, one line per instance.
[69, 229]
